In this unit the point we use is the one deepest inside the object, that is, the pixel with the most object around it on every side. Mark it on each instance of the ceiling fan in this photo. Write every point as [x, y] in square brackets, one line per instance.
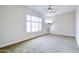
[51, 9]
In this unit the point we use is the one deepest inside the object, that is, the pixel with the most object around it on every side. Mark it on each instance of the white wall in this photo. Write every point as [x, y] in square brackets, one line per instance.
[1, 23]
[63, 24]
[77, 25]
[14, 24]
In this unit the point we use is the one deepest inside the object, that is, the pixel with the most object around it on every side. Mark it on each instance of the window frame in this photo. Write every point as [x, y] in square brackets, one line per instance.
[31, 21]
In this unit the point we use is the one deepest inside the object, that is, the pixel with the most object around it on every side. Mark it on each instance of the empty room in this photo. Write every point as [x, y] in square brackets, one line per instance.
[39, 29]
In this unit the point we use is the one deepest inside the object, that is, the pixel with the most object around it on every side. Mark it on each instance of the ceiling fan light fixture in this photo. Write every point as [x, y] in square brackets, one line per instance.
[51, 9]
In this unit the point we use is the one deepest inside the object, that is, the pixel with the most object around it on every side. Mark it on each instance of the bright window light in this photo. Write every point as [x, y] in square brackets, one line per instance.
[33, 23]
[48, 21]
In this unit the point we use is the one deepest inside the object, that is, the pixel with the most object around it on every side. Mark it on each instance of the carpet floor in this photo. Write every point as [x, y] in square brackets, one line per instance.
[48, 44]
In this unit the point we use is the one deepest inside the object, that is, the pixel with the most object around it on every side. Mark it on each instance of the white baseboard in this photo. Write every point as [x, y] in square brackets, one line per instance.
[62, 34]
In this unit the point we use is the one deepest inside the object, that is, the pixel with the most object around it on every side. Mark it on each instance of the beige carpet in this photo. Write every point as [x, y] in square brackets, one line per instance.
[47, 44]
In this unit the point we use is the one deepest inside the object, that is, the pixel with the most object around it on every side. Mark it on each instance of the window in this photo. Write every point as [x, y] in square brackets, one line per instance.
[33, 23]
